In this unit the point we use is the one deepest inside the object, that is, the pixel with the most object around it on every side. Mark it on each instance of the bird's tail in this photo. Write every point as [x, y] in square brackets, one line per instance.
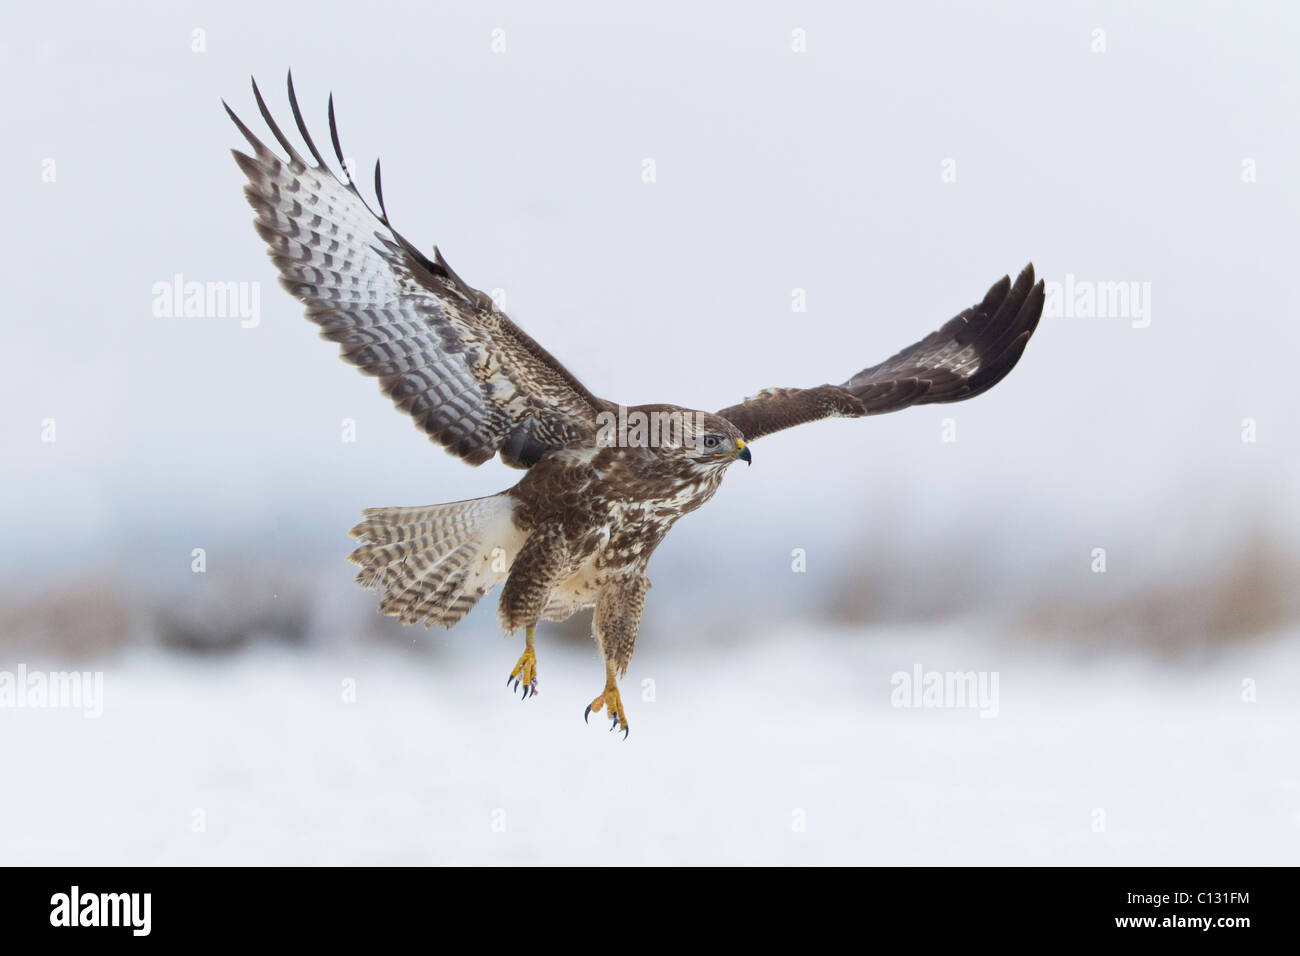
[435, 563]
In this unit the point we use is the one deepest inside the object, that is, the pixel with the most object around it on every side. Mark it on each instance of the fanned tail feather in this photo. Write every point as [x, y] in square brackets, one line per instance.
[434, 563]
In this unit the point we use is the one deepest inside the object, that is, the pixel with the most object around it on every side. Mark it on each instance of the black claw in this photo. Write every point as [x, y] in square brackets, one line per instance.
[586, 714]
[626, 728]
[509, 679]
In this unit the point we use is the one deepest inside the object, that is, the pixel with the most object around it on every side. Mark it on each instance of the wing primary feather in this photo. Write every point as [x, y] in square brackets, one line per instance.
[379, 195]
[247, 133]
[302, 129]
[1000, 335]
[294, 156]
[470, 294]
[338, 150]
[997, 292]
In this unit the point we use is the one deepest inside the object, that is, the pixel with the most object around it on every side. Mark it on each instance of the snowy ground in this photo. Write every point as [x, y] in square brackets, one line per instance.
[746, 739]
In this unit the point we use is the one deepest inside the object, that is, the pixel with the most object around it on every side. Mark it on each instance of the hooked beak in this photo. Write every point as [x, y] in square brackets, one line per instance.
[742, 452]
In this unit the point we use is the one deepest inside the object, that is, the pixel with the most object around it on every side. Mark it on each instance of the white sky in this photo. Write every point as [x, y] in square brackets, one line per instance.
[775, 171]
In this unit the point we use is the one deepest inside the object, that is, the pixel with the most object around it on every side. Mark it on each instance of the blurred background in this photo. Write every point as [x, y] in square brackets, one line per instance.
[685, 203]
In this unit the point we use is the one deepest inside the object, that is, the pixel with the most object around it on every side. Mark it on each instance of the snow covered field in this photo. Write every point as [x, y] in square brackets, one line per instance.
[769, 748]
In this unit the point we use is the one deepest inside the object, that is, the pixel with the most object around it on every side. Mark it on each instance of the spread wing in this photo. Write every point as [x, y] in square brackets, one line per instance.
[467, 375]
[969, 355]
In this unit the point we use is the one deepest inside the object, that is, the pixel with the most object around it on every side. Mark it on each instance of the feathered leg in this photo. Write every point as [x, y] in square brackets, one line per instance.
[539, 566]
[618, 615]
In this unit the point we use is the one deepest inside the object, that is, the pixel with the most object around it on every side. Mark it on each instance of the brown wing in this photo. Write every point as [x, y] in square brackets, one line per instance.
[969, 355]
[467, 375]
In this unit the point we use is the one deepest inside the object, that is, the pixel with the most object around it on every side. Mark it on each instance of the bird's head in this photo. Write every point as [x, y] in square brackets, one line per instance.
[713, 441]
[721, 443]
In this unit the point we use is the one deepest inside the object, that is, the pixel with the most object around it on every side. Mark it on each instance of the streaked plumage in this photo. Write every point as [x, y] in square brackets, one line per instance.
[579, 528]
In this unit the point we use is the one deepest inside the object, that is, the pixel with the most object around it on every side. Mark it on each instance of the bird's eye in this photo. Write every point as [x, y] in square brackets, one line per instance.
[711, 441]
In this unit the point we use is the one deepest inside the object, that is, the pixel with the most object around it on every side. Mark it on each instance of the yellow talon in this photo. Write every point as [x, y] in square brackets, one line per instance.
[613, 703]
[525, 671]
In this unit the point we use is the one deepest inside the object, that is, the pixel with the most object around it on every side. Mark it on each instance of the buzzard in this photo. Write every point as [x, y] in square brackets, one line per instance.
[602, 483]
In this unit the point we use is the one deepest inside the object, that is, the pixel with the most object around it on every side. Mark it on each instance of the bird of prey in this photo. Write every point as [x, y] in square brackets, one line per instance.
[602, 483]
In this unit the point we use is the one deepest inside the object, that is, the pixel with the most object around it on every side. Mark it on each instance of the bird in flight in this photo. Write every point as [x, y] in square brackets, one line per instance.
[602, 483]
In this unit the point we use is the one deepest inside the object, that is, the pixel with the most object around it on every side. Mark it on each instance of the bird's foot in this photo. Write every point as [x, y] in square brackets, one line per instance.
[613, 705]
[525, 674]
